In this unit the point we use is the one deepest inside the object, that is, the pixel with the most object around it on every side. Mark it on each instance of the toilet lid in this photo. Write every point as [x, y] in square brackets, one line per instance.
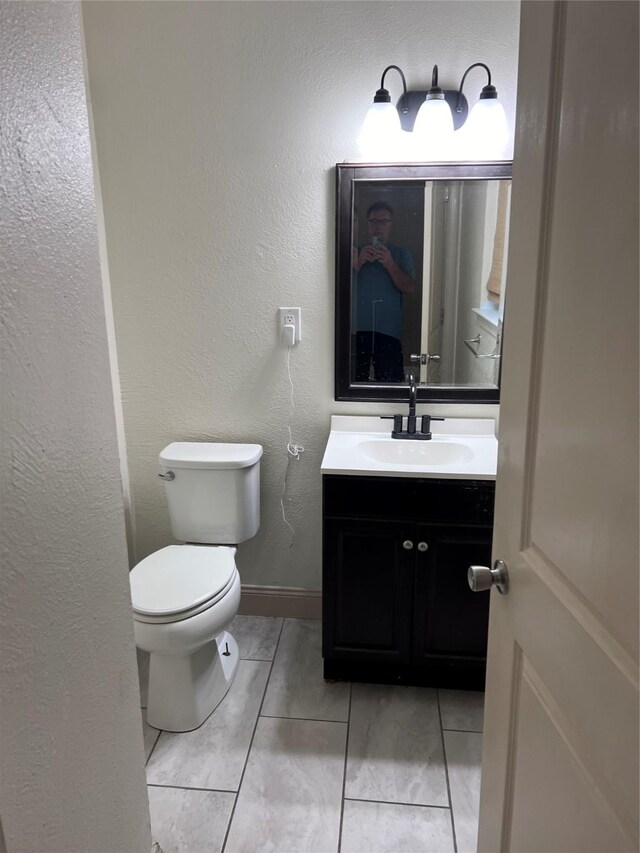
[180, 577]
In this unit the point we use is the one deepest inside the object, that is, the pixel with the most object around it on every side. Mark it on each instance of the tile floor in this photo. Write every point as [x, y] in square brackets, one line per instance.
[289, 762]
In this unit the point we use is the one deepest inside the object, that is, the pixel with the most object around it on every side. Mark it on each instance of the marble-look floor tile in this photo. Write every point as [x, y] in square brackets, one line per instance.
[189, 821]
[257, 636]
[291, 793]
[150, 735]
[464, 758]
[462, 710]
[214, 755]
[395, 746]
[297, 687]
[386, 828]
[143, 676]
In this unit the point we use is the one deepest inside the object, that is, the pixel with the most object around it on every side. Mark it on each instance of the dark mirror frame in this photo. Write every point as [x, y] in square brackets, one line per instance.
[346, 175]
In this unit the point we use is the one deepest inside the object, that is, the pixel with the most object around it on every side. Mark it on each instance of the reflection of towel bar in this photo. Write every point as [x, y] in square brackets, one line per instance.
[470, 345]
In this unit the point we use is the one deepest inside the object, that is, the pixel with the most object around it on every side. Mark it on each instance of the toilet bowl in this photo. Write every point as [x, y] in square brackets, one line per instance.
[185, 596]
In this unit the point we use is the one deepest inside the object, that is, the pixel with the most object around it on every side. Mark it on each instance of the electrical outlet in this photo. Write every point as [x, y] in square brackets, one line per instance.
[291, 317]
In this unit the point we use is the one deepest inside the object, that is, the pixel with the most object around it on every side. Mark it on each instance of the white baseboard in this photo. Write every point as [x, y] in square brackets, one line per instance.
[285, 601]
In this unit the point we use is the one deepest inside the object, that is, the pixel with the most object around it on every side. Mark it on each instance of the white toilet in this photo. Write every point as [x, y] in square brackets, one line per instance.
[184, 596]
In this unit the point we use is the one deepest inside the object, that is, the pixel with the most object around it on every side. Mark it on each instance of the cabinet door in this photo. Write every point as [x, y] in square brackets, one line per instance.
[367, 589]
[450, 621]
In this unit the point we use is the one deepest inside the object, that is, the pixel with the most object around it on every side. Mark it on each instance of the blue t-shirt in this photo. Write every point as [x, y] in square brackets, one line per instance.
[377, 306]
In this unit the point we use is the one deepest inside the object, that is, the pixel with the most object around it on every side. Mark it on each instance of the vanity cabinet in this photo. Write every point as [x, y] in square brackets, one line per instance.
[396, 603]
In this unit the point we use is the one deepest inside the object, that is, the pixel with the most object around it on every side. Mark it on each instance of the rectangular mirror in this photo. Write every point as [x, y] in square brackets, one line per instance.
[420, 280]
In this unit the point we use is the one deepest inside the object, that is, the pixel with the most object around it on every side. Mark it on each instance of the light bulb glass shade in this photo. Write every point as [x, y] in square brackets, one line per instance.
[486, 132]
[378, 139]
[433, 129]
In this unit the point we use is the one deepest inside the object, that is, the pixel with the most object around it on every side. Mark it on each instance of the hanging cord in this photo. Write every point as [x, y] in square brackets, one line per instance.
[293, 451]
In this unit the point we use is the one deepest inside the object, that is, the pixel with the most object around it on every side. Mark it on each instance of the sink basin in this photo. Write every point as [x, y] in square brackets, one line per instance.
[415, 452]
[461, 449]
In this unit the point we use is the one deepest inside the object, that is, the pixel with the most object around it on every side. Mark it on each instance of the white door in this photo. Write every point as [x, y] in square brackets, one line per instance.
[560, 758]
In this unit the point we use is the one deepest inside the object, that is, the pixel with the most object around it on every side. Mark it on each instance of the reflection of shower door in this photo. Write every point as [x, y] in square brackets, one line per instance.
[441, 233]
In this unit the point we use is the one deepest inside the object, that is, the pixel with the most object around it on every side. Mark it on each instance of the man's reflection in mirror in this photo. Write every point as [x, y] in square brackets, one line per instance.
[383, 273]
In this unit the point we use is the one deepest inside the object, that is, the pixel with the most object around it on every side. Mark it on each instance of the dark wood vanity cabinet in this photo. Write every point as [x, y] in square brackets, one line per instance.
[396, 603]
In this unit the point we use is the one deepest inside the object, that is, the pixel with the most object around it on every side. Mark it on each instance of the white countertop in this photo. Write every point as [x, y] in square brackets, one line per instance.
[462, 449]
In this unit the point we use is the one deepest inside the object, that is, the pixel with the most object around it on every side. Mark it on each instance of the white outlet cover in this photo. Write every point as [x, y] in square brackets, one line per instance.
[291, 317]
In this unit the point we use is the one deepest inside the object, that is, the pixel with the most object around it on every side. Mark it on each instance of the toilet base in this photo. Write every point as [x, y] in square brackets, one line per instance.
[185, 689]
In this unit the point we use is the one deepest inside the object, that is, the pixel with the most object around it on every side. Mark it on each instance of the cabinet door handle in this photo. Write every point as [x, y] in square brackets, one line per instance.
[422, 546]
[407, 544]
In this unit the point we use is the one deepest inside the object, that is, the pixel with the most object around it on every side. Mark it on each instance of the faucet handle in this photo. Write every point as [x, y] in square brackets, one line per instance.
[425, 427]
[397, 422]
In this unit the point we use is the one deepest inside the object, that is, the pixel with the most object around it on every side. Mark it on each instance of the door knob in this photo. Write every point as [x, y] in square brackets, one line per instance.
[407, 544]
[422, 546]
[482, 577]
[423, 358]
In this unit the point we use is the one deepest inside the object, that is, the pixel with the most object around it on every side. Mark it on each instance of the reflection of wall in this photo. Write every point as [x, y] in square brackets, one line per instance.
[72, 753]
[407, 202]
[218, 126]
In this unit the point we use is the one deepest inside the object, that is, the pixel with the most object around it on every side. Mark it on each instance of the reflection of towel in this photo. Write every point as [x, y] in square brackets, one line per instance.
[494, 282]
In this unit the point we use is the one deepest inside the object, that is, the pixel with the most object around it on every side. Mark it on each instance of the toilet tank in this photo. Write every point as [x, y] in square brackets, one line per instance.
[214, 496]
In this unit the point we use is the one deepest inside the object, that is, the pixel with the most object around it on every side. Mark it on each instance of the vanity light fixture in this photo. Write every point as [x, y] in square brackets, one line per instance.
[428, 125]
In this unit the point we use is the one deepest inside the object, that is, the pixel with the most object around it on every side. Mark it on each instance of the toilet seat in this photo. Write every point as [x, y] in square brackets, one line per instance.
[179, 581]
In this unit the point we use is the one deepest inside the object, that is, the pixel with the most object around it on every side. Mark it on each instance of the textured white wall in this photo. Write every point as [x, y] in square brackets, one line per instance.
[218, 126]
[71, 741]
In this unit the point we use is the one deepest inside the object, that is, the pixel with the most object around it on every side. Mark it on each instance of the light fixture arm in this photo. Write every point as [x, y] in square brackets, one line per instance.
[382, 95]
[488, 91]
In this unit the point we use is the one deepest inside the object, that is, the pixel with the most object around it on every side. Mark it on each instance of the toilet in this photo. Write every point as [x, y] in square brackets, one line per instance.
[185, 596]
